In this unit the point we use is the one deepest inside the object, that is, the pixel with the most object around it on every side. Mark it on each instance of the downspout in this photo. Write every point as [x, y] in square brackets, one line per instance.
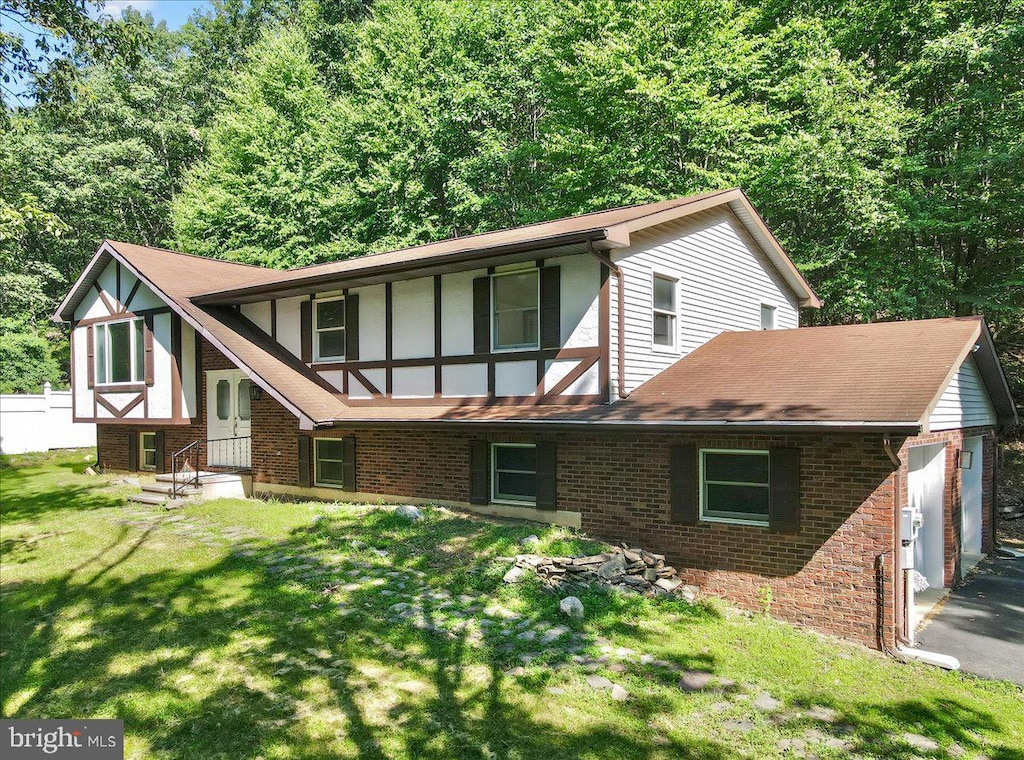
[905, 647]
[620, 374]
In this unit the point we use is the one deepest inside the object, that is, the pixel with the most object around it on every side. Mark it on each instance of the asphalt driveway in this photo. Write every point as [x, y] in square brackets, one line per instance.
[982, 623]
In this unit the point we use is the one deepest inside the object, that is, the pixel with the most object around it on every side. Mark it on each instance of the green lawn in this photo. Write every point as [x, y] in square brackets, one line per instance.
[249, 629]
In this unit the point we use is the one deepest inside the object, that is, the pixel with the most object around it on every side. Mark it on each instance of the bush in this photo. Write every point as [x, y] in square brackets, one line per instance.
[26, 360]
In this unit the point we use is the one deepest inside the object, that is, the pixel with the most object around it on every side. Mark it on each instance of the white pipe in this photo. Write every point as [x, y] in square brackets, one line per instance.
[931, 658]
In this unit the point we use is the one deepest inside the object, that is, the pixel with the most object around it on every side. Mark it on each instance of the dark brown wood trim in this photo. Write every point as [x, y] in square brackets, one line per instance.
[117, 280]
[103, 297]
[120, 413]
[573, 375]
[584, 352]
[389, 327]
[437, 335]
[131, 295]
[200, 389]
[478, 401]
[373, 389]
[604, 334]
[141, 422]
[125, 315]
[121, 388]
[175, 366]
[273, 319]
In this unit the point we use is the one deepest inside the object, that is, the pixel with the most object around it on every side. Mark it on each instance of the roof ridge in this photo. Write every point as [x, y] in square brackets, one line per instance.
[115, 243]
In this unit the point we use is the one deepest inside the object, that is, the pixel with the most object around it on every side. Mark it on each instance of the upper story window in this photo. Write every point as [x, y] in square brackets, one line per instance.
[664, 311]
[734, 486]
[767, 317]
[516, 311]
[329, 329]
[120, 352]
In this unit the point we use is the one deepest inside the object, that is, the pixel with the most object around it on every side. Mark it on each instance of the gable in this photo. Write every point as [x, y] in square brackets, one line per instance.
[964, 401]
[119, 290]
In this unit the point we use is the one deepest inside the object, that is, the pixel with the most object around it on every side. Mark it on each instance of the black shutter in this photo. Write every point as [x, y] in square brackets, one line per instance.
[348, 464]
[90, 356]
[479, 454]
[133, 451]
[306, 330]
[482, 315]
[147, 338]
[351, 327]
[784, 499]
[683, 484]
[305, 443]
[158, 444]
[547, 475]
[550, 307]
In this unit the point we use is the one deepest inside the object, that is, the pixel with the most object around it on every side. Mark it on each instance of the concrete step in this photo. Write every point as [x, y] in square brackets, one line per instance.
[145, 497]
[166, 477]
[166, 488]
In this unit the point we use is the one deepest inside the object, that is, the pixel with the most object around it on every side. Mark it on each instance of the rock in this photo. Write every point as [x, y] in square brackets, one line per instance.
[91, 472]
[408, 512]
[380, 552]
[519, 670]
[175, 503]
[788, 744]
[689, 593]
[922, 743]
[613, 568]
[619, 694]
[514, 575]
[357, 544]
[668, 584]
[695, 680]
[399, 607]
[134, 482]
[527, 635]
[745, 726]
[599, 682]
[955, 750]
[824, 714]
[765, 702]
[572, 607]
[530, 540]
[555, 690]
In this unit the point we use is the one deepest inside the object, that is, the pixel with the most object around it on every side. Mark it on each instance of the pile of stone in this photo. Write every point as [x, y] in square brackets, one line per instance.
[621, 567]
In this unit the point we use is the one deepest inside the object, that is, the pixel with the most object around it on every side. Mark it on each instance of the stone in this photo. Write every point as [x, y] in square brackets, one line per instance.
[689, 593]
[357, 544]
[744, 726]
[668, 584]
[955, 750]
[572, 607]
[619, 694]
[765, 702]
[823, 714]
[835, 742]
[695, 680]
[514, 575]
[90, 471]
[922, 743]
[650, 574]
[599, 682]
[613, 568]
[527, 635]
[519, 670]
[175, 503]
[408, 512]
[530, 540]
[617, 667]
[555, 690]
[399, 607]
[790, 744]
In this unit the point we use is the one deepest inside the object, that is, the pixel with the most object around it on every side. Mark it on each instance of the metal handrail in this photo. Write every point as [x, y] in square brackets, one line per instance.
[192, 454]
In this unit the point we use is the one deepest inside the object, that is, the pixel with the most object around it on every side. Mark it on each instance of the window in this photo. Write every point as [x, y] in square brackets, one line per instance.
[120, 352]
[330, 462]
[664, 311]
[329, 329]
[147, 451]
[734, 486]
[514, 473]
[767, 317]
[516, 310]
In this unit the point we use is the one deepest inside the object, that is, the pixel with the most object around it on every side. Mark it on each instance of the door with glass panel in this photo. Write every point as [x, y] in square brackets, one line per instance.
[228, 419]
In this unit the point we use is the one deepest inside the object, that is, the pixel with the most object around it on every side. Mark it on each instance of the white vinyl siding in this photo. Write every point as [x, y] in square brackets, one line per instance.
[724, 279]
[964, 403]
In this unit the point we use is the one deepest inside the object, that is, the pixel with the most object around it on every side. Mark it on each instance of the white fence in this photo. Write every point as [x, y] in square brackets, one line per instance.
[41, 422]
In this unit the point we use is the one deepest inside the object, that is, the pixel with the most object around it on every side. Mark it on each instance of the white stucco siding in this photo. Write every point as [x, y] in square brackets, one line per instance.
[289, 324]
[964, 403]
[412, 318]
[722, 279]
[335, 377]
[259, 314]
[515, 378]
[372, 325]
[92, 305]
[457, 312]
[464, 380]
[189, 407]
[579, 294]
[412, 382]
[159, 394]
[80, 373]
[588, 383]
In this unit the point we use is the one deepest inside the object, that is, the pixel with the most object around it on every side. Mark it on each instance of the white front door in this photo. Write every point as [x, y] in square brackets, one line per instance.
[926, 491]
[971, 497]
[228, 419]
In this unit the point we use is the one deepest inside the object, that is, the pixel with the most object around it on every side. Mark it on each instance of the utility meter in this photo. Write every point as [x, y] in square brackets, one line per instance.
[910, 524]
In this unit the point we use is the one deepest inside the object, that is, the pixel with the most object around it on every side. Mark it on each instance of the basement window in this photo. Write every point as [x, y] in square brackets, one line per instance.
[664, 312]
[120, 352]
[147, 451]
[329, 329]
[515, 319]
[734, 486]
[329, 454]
[514, 473]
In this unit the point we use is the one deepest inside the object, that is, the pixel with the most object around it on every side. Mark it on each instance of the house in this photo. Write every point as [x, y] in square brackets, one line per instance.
[639, 373]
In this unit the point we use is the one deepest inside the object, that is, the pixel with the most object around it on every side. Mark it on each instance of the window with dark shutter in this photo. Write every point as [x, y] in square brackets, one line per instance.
[478, 469]
[133, 451]
[735, 486]
[351, 327]
[683, 484]
[304, 461]
[159, 446]
[147, 340]
[550, 307]
[547, 475]
[482, 315]
[784, 503]
[306, 330]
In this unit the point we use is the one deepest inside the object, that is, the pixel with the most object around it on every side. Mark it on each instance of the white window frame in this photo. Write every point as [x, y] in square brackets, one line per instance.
[101, 332]
[494, 312]
[143, 449]
[316, 463]
[672, 314]
[495, 497]
[773, 311]
[317, 357]
[759, 522]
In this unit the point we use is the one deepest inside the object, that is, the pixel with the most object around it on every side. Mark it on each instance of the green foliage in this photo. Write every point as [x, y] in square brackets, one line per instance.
[26, 359]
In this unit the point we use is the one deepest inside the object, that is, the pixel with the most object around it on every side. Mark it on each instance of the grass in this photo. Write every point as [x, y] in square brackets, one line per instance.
[227, 647]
